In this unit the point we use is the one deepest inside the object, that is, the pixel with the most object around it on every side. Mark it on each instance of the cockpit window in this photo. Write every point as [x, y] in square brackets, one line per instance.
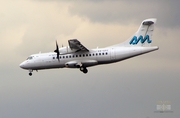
[29, 58]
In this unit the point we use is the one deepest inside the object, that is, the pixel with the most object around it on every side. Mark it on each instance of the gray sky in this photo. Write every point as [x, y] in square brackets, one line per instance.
[127, 89]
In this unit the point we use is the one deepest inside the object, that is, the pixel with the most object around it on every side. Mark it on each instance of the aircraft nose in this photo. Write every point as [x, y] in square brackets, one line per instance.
[22, 65]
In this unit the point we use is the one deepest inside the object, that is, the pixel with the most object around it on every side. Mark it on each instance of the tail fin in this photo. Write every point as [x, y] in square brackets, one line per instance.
[143, 36]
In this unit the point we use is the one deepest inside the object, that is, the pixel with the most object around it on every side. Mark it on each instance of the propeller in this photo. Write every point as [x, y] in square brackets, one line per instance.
[57, 51]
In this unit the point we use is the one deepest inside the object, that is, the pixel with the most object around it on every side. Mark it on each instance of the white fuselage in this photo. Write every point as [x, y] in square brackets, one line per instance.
[77, 55]
[87, 59]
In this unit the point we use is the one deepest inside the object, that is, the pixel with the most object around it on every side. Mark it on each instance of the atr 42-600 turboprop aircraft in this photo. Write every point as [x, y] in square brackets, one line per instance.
[78, 56]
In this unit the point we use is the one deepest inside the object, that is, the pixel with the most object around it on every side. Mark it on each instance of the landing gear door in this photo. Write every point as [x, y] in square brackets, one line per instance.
[113, 55]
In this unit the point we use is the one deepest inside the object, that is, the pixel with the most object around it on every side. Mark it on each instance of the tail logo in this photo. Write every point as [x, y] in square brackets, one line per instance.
[135, 40]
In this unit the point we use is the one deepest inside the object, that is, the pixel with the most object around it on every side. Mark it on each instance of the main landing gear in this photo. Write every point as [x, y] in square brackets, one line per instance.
[83, 69]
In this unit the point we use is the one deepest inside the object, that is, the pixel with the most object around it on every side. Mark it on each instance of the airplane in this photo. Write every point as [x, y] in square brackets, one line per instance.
[77, 55]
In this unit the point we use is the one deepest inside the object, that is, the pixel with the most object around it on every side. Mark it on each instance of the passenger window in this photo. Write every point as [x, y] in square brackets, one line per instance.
[89, 54]
[66, 56]
[99, 53]
[73, 56]
[53, 57]
[96, 54]
[63, 57]
[86, 54]
[76, 55]
[93, 54]
[79, 55]
[102, 53]
[69, 56]
[83, 55]
[106, 53]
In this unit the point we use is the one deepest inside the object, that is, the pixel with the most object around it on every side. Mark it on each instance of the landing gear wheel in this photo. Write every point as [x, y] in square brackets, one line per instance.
[83, 69]
[30, 74]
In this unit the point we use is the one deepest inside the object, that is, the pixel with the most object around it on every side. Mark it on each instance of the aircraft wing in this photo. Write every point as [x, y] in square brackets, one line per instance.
[76, 45]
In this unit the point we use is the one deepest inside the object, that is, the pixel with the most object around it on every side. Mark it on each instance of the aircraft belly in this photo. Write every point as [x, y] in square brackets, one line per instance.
[125, 53]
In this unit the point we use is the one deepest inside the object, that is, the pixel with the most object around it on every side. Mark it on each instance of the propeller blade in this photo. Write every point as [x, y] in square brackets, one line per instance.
[57, 51]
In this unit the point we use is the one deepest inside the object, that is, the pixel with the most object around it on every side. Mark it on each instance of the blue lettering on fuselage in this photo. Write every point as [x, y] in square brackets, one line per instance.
[134, 40]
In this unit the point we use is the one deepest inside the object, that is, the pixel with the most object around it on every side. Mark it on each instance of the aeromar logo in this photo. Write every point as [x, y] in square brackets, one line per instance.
[135, 40]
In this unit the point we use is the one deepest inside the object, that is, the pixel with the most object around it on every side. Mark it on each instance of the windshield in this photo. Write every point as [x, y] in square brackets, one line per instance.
[29, 58]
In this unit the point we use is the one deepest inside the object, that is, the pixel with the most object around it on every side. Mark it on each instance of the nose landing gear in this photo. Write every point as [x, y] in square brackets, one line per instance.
[30, 72]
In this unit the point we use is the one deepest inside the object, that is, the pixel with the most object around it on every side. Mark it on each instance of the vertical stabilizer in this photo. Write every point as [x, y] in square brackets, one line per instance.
[143, 36]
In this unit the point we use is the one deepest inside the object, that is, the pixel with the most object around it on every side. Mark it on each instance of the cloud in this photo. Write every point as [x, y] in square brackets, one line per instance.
[28, 25]
[125, 11]
[128, 11]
